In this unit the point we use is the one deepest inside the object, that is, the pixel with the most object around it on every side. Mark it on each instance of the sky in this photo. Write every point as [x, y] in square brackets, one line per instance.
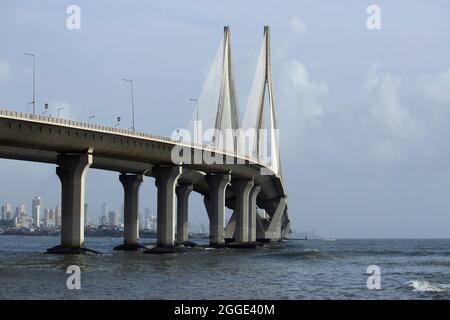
[363, 114]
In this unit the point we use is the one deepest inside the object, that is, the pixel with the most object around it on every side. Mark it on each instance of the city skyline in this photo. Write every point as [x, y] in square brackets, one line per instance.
[365, 157]
[50, 217]
[228, 158]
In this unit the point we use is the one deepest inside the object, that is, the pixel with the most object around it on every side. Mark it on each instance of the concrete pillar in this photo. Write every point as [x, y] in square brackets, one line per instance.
[273, 231]
[241, 189]
[131, 184]
[71, 170]
[231, 227]
[166, 181]
[252, 213]
[215, 205]
[182, 192]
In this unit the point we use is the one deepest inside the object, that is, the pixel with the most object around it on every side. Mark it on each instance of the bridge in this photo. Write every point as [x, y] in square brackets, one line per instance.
[243, 179]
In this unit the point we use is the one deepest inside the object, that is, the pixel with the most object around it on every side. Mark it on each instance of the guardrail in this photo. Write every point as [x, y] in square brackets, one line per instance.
[113, 130]
[80, 125]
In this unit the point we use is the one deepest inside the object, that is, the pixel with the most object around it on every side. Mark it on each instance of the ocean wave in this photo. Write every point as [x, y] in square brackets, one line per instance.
[426, 286]
[306, 254]
[380, 252]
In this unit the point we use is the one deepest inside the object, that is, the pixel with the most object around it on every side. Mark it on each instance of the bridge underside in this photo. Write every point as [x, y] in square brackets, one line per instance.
[131, 154]
[246, 184]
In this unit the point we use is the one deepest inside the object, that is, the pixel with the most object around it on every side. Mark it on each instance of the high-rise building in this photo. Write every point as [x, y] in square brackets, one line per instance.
[86, 220]
[113, 218]
[57, 216]
[36, 211]
[149, 220]
[105, 210]
[102, 221]
[8, 211]
[46, 218]
[52, 215]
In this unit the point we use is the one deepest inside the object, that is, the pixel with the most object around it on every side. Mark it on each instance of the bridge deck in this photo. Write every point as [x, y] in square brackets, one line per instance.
[38, 138]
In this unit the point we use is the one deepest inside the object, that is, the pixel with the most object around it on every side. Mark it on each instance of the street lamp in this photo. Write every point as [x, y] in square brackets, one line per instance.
[60, 109]
[118, 122]
[90, 117]
[45, 108]
[132, 100]
[34, 81]
[196, 131]
[196, 105]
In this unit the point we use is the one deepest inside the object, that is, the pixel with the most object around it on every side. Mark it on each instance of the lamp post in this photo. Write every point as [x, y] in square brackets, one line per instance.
[132, 101]
[90, 117]
[196, 105]
[45, 109]
[34, 81]
[196, 131]
[60, 109]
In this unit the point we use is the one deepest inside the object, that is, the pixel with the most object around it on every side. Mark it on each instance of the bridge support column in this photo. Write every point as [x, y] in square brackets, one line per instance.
[252, 213]
[166, 181]
[274, 231]
[230, 228]
[183, 192]
[242, 188]
[71, 170]
[215, 205]
[131, 184]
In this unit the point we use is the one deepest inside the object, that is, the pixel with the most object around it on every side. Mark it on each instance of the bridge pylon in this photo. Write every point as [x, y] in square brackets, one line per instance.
[227, 116]
[260, 102]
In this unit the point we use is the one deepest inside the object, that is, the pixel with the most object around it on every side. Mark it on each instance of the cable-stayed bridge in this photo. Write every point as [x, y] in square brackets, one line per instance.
[236, 166]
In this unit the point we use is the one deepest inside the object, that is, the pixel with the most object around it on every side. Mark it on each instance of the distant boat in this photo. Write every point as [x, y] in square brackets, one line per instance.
[329, 239]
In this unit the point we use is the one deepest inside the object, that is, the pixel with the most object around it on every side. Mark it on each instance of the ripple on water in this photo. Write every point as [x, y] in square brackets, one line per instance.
[305, 254]
[296, 269]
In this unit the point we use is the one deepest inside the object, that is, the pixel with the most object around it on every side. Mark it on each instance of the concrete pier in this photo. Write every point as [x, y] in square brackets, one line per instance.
[71, 170]
[273, 231]
[241, 189]
[71, 145]
[166, 181]
[182, 192]
[215, 205]
[252, 212]
[131, 184]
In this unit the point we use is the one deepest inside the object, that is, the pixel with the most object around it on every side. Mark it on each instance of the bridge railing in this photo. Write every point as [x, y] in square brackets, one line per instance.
[106, 129]
[79, 124]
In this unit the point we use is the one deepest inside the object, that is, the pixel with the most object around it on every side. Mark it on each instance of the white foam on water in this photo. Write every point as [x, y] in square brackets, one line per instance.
[425, 286]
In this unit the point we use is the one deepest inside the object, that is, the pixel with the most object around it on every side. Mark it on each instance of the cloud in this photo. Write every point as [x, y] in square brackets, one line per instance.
[5, 69]
[383, 91]
[297, 26]
[436, 87]
[303, 94]
[393, 117]
[402, 117]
